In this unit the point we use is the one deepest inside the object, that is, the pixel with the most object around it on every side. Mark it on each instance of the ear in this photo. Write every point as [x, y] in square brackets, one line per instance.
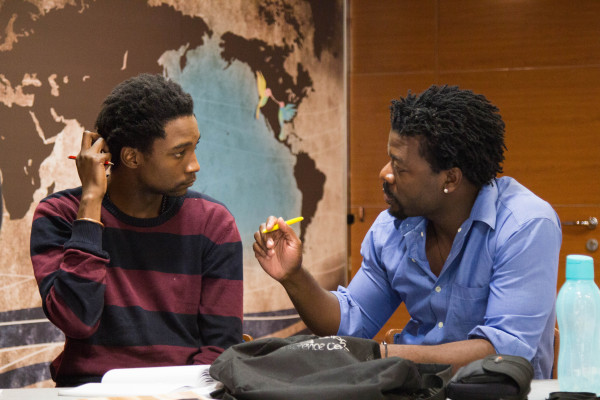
[453, 179]
[130, 157]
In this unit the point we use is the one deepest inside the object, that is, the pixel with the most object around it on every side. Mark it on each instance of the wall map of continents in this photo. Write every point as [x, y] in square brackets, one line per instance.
[267, 79]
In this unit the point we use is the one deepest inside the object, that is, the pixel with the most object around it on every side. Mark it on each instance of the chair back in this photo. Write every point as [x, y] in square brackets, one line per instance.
[389, 335]
[556, 349]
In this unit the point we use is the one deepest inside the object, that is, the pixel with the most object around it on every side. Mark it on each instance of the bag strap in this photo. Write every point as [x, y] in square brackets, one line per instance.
[435, 377]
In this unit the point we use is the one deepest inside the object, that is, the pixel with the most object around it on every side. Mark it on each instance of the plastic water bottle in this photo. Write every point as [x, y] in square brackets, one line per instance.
[578, 315]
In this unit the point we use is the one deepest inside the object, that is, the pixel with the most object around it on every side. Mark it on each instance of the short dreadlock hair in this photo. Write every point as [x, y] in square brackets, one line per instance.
[136, 111]
[455, 128]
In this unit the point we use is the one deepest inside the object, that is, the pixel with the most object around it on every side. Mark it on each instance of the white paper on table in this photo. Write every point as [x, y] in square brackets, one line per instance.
[148, 381]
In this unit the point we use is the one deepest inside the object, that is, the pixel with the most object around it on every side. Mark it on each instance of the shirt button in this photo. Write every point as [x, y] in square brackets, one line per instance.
[421, 234]
[413, 260]
[459, 229]
[438, 289]
[440, 324]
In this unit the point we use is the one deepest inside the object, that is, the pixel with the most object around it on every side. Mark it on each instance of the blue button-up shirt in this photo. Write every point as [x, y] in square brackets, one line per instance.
[498, 283]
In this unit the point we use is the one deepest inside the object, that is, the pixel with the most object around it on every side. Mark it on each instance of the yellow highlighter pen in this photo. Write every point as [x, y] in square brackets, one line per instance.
[289, 222]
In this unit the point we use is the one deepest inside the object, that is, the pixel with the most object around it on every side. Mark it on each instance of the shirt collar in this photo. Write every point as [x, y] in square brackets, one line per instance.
[484, 209]
[409, 224]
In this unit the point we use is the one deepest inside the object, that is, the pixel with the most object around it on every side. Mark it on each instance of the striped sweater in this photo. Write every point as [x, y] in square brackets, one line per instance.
[140, 292]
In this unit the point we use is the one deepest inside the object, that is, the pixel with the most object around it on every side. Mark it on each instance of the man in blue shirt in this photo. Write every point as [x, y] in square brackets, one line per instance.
[473, 257]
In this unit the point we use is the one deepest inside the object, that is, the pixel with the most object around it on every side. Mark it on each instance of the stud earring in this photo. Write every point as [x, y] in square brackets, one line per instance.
[446, 190]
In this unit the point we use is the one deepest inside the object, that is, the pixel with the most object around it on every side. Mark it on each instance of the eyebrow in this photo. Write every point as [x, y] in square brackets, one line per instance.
[396, 159]
[184, 145]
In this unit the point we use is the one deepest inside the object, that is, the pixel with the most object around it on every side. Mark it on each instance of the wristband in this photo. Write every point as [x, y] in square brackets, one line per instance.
[91, 220]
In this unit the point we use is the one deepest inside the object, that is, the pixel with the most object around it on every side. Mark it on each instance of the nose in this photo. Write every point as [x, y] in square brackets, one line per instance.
[386, 173]
[193, 166]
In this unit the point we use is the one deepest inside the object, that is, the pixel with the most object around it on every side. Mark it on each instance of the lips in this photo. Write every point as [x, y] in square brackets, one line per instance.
[189, 183]
[387, 195]
[387, 199]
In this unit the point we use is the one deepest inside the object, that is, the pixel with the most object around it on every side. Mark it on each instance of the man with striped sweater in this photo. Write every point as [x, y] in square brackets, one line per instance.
[134, 268]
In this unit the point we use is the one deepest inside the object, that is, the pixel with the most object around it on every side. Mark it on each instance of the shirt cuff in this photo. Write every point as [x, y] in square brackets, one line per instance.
[503, 342]
[86, 236]
[350, 314]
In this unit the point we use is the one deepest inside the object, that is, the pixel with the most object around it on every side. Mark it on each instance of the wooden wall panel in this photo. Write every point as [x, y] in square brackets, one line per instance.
[379, 32]
[476, 35]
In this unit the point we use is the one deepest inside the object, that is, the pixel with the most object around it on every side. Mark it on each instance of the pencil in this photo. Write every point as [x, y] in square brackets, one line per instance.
[105, 162]
[288, 222]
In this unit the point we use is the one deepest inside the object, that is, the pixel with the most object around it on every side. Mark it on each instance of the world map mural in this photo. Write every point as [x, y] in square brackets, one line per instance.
[267, 79]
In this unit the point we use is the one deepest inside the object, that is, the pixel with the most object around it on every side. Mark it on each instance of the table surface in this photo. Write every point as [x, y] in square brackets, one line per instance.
[539, 391]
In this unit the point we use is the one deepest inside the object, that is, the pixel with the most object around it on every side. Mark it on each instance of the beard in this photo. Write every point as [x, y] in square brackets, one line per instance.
[396, 210]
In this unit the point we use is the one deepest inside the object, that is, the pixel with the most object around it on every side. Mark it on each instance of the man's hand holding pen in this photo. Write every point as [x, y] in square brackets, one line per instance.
[92, 172]
[279, 251]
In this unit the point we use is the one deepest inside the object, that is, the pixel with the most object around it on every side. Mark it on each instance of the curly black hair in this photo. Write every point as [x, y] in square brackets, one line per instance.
[136, 111]
[455, 128]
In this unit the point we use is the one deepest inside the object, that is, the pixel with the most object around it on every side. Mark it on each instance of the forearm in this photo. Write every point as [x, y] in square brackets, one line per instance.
[90, 206]
[71, 274]
[318, 308]
[74, 296]
[79, 314]
[457, 354]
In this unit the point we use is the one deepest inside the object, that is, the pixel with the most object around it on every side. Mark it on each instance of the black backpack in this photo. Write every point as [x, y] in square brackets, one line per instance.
[333, 367]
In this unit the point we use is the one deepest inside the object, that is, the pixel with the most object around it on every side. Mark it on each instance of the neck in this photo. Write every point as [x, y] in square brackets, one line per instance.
[443, 225]
[134, 202]
[455, 210]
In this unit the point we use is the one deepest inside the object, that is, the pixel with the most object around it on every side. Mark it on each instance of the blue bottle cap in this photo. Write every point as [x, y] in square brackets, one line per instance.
[580, 267]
